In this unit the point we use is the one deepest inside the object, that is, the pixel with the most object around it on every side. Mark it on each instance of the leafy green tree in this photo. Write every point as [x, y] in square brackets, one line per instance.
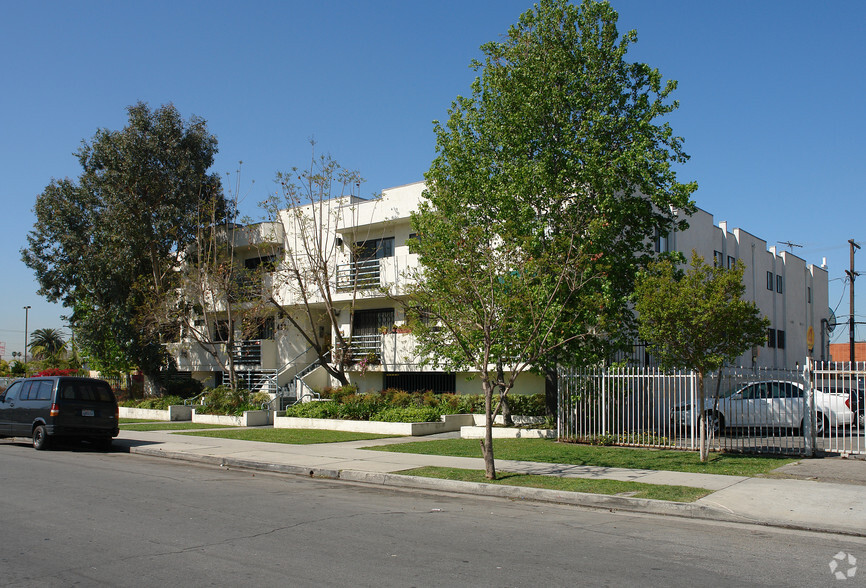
[697, 320]
[549, 183]
[107, 244]
[47, 345]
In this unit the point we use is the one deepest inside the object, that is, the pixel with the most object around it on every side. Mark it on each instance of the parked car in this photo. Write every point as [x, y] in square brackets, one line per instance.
[771, 404]
[59, 407]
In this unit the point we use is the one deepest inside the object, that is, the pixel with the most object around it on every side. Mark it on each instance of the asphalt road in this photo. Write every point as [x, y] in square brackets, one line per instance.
[81, 517]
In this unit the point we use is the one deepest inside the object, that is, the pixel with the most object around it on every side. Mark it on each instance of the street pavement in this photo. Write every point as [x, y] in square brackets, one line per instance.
[824, 494]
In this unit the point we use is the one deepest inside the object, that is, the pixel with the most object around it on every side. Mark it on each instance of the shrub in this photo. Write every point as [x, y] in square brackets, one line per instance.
[315, 410]
[186, 388]
[223, 401]
[411, 414]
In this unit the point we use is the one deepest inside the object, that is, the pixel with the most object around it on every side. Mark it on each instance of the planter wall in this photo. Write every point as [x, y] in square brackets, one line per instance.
[250, 418]
[450, 422]
[518, 420]
[174, 413]
[507, 433]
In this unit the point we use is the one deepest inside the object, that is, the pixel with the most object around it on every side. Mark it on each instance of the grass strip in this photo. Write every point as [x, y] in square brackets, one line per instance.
[549, 451]
[593, 486]
[167, 426]
[290, 436]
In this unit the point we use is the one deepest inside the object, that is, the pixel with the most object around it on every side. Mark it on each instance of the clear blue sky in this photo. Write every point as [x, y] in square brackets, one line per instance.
[771, 94]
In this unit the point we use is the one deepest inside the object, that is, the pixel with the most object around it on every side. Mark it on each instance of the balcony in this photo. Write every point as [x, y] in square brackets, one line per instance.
[362, 275]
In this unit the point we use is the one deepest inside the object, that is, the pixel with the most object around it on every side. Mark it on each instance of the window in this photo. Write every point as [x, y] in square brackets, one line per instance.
[374, 249]
[770, 281]
[718, 259]
[266, 262]
[661, 242]
[771, 338]
[779, 284]
[731, 261]
[221, 331]
[780, 339]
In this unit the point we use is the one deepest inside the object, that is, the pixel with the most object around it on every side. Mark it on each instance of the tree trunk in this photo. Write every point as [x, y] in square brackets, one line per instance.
[702, 439]
[503, 396]
[551, 391]
[487, 442]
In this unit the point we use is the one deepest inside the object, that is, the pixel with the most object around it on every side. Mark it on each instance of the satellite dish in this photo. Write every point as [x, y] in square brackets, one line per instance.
[831, 324]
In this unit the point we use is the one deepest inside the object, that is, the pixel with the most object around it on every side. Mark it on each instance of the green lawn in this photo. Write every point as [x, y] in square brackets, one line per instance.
[543, 450]
[630, 489]
[291, 436]
[166, 426]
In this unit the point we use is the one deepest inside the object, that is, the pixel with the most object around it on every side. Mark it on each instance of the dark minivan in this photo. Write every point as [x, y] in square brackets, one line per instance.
[59, 407]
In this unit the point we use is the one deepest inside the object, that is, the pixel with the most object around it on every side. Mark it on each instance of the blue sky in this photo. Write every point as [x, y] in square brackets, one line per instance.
[771, 102]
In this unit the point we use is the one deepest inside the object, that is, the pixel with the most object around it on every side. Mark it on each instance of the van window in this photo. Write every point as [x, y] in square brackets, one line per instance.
[25, 391]
[86, 392]
[43, 392]
[12, 391]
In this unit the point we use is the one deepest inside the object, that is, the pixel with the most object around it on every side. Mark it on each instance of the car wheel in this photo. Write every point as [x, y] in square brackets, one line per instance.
[715, 422]
[822, 426]
[40, 438]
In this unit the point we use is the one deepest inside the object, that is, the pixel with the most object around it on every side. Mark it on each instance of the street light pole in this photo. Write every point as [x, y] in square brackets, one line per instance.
[26, 316]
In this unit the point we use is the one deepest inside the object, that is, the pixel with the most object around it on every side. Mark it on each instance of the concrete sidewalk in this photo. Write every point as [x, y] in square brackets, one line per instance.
[827, 495]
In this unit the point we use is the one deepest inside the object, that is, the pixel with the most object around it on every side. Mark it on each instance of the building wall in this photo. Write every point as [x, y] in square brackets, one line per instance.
[802, 302]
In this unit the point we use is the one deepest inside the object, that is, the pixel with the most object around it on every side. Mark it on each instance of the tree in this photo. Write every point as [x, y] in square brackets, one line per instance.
[216, 291]
[313, 203]
[107, 244]
[548, 186]
[697, 320]
[46, 344]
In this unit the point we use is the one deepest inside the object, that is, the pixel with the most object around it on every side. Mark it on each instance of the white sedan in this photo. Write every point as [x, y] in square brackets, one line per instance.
[772, 404]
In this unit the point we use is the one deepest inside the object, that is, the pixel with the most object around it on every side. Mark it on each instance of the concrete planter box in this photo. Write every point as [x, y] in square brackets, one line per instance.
[507, 433]
[175, 412]
[250, 418]
[518, 420]
[449, 422]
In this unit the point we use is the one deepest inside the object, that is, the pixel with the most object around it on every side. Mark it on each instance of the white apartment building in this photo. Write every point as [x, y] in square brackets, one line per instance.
[366, 293]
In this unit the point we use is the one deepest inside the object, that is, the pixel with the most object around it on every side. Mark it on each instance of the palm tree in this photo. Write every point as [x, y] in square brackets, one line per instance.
[46, 343]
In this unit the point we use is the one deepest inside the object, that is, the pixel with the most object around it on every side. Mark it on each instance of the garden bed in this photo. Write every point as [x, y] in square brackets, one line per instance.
[172, 413]
[450, 422]
[250, 418]
[476, 432]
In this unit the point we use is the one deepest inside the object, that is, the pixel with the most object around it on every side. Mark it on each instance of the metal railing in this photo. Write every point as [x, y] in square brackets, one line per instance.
[247, 352]
[748, 410]
[362, 275]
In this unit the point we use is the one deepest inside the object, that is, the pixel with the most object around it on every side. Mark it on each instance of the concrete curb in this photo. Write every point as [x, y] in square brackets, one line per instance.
[581, 499]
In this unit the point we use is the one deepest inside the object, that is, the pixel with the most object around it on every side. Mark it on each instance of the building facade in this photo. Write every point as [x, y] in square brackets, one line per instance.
[365, 246]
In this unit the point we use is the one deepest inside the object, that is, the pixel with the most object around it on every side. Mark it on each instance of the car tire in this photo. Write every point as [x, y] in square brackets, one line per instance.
[40, 438]
[822, 426]
[715, 422]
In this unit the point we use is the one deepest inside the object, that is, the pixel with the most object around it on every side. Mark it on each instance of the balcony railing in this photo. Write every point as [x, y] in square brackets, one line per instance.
[362, 347]
[362, 275]
[247, 352]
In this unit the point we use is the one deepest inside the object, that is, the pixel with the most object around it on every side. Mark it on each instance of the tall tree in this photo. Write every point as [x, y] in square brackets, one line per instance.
[697, 320]
[107, 244]
[313, 203]
[46, 343]
[549, 183]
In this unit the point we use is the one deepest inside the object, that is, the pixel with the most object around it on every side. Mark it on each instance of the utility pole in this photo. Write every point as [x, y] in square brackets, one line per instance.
[26, 316]
[852, 275]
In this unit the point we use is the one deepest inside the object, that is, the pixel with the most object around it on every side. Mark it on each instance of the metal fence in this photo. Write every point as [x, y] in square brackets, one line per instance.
[748, 410]
[839, 404]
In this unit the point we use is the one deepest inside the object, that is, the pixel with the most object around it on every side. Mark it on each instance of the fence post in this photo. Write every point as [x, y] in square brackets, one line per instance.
[809, 418]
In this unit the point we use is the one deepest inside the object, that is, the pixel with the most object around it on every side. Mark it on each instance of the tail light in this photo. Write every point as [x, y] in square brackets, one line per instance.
[55, 410]
[848, 403]
[116, 413]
